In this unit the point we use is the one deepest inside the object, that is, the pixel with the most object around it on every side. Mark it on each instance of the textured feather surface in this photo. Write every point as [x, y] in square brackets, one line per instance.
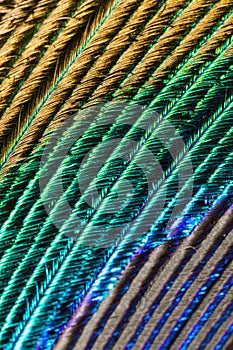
[148, 74]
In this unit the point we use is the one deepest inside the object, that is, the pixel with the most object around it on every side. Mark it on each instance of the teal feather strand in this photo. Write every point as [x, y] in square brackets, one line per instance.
[20, 234]
[11, 189]
[117, 261]
[46, 97]
[222, 174]
[162, 97]
[5, 184]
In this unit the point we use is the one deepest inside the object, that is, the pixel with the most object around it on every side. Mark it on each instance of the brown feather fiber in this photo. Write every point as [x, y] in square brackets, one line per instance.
[94, 75]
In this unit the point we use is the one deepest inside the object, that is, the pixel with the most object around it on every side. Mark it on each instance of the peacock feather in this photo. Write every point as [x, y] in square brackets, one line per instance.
[116, 174]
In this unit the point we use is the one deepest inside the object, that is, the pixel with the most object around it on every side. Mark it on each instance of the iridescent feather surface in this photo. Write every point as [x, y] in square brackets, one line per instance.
[116, 174]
